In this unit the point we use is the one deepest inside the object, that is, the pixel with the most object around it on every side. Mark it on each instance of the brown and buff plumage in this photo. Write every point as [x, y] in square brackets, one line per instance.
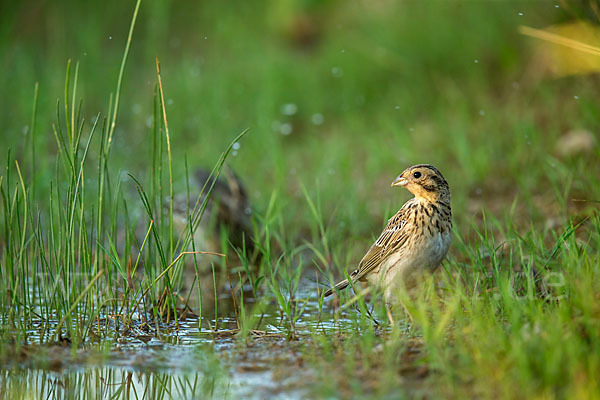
[414, 241]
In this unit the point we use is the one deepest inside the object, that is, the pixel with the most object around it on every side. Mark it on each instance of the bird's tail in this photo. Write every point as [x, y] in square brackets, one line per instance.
[338, 286]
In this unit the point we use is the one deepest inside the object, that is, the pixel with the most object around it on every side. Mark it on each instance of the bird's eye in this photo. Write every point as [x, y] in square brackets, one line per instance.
[417, 175]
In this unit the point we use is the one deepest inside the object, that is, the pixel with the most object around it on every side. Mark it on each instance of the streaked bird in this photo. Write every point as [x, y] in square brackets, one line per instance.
[227, 209]
[414, 241]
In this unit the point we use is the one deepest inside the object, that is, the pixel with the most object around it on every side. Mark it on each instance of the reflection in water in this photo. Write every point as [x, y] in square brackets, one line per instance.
[110, 382]
[178, 361]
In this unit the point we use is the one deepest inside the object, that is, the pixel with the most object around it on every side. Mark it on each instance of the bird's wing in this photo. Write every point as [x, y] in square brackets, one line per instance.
[391, 239]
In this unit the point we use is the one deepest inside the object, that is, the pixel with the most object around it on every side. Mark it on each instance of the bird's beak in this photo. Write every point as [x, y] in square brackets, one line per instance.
[400, 181]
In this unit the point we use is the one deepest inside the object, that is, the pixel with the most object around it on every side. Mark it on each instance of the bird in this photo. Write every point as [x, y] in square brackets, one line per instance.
[227, 208]
[226, 223]
[414, 241]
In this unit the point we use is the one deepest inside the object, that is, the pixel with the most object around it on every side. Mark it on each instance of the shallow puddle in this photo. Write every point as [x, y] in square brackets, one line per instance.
[177, 362]
[155, 371]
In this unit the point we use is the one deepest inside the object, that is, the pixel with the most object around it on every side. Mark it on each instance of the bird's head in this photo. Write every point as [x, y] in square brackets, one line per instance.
[425, 182]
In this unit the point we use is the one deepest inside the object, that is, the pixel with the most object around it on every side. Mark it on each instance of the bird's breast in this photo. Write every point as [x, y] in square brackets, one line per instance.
[435, 248]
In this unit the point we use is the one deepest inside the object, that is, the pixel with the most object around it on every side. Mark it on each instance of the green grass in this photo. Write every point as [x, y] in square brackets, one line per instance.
[366, 92]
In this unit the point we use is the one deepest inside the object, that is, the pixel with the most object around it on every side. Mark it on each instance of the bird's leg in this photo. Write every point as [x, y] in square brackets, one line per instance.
[388, 309]
[410, 317]
[390, 315]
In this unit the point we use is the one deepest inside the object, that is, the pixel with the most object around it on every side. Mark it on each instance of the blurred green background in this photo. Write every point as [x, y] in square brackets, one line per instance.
[339, 97]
